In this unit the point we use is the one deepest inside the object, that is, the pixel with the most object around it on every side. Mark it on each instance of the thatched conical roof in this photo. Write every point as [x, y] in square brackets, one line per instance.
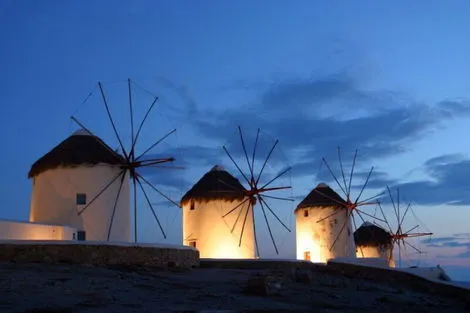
[217, 184]
[80, 148]
[321, 196]
[372, 235]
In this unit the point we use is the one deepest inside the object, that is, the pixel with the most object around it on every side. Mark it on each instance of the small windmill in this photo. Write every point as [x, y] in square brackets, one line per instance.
[257, 191]
[350, 205]
[399, 236]
[131, 161]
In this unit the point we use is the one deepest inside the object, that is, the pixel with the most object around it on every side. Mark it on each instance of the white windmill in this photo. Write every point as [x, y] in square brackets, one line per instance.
[84, 183]
[226, 207]
[325, 220]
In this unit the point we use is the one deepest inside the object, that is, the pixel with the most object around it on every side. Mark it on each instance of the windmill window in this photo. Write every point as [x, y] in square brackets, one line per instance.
[192, 243]
[191, 207]
[305, 213]
[336, 221]
[81, 235]
[81, 198]
[307, 255]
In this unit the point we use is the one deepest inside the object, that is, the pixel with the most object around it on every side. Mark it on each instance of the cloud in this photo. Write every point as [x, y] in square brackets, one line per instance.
[190, 106]
[166, 177]
[454, 241]
[459, 255]
[437, 240]
[377, 179]
[451, 244]
[192, 155]
[456, 246]
[463, 235]
[465, 254]
[448, 183]
[312, 117]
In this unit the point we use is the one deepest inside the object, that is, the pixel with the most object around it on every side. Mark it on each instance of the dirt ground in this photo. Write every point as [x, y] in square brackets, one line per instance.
[67, 288]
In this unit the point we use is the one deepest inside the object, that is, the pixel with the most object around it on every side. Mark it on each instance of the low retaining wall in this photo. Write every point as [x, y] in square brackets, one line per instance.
[100, 254]
[18, 230]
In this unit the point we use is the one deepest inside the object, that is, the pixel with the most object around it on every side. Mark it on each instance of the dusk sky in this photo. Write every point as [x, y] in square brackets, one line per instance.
[389, 79]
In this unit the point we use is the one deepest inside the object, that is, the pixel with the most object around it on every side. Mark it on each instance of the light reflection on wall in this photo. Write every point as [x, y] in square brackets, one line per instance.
[12, 230]
[320, 241]
[205, 228]
[306, 244]
[381, 251]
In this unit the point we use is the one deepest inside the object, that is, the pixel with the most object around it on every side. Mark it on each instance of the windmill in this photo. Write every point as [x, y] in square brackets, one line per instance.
[131, 162]
[324, 218]
[260, 190]
[350, 204]
[400, 236]
[373, 241]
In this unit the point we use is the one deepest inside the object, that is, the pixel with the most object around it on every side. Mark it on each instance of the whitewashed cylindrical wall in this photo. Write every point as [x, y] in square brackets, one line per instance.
[54, 201]
[314, 239]
[204, 226]
[380, 251]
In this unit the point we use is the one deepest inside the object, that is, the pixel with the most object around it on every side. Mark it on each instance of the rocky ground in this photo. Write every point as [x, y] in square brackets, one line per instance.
[66, 288]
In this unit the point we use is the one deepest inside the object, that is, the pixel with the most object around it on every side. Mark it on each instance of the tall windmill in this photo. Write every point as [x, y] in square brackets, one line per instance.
[350, 206]
[260, 190]
[132, 160]
[400, 236]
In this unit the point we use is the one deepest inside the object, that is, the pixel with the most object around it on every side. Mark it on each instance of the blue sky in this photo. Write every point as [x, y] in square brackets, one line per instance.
[390, 78]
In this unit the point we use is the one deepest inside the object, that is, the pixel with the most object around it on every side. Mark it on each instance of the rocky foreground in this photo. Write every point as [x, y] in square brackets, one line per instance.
[67, 288]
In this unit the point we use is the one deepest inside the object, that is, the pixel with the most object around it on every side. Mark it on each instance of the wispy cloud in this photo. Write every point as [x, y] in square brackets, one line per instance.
[465, 254]
[460, 243]
[312, 117]
[448, 183]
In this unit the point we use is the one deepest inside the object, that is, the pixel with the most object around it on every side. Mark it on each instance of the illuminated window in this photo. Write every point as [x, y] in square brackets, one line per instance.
[305, 213]
[191, 206]
[81, 198]
[192, 243]
[307, 255]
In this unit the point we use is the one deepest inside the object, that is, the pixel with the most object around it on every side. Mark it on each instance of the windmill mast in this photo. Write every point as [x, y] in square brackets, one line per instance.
[399, 236]
[130, 163]
[258, 192]
[352, 206]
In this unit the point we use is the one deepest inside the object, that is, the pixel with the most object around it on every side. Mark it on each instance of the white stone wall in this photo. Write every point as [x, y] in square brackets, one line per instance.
[53, 201]
[15, 230]
[316, 239]
[212, 233]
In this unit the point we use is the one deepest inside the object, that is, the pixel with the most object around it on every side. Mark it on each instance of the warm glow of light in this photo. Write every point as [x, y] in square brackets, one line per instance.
[27, 231]
[226, 252]
[376, 252]
[204, 226]
[305, 243]
[322, 238]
